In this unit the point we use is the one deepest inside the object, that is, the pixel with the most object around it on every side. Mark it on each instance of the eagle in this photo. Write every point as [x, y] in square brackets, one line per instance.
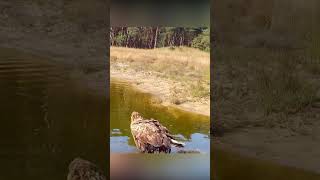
[150, 136]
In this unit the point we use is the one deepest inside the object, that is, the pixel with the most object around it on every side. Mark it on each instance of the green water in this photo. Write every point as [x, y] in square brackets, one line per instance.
[47, 119]
[193, 129]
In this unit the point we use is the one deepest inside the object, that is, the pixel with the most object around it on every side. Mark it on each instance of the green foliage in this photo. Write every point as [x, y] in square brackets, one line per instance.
[202, 41]
[120, 40]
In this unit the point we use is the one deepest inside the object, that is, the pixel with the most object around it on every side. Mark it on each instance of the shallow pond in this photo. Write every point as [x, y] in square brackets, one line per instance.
[47, 119]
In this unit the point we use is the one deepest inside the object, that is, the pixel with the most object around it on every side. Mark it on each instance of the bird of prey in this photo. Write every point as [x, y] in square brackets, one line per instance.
[150, 136]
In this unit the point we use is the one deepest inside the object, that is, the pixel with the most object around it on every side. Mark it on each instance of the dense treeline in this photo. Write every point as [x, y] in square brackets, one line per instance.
[155, 37]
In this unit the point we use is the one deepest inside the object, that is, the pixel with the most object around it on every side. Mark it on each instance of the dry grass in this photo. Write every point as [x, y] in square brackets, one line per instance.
[188, 67]
[183, 55]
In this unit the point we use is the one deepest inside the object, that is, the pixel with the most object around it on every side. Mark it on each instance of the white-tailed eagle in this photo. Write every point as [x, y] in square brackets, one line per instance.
[150, 136]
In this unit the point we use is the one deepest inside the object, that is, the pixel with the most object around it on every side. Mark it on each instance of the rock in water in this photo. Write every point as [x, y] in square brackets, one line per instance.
[189, 151]
[80, 169]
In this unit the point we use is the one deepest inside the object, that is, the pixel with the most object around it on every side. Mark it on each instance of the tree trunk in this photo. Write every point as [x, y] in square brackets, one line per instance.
[111, 36]
[155, 38]
[127, 37]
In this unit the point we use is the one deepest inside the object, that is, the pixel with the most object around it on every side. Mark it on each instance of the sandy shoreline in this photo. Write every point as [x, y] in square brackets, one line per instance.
[159, 88]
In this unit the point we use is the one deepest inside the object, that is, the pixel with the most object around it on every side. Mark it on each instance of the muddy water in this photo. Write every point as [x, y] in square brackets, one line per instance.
[48, 118]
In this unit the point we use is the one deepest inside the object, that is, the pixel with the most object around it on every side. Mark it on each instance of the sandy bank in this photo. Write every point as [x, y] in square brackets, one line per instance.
[161, 89]
[135, 66]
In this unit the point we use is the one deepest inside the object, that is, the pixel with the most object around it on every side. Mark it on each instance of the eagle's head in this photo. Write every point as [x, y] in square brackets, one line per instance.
[135, 116]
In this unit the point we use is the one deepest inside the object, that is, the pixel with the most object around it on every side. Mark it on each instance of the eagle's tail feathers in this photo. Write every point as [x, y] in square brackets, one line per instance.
[177, 143]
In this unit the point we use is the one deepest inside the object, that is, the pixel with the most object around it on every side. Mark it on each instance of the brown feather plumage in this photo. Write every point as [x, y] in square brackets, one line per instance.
[150, 136]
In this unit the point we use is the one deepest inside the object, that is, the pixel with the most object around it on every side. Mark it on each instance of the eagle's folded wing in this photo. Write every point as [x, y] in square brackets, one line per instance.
[149, 133]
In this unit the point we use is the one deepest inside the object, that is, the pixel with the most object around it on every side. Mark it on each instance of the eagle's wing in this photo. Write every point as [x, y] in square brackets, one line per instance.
[149, 132]
[163, 128]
